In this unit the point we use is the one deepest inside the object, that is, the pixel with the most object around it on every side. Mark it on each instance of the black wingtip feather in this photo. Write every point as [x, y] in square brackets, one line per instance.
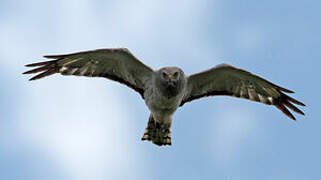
[286, 90]
[54, 56]
[282, 88]
[292, 107]
[285, 111]
[46, 68]
[43, 68]
[293, 100]
[40, 63]
[284, 102]
[296, 102]
[44, 74]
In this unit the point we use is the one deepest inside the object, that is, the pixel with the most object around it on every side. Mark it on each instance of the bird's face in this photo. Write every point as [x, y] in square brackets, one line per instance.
[170, 81]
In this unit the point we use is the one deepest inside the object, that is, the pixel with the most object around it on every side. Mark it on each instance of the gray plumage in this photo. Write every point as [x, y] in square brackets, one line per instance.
[168, 88]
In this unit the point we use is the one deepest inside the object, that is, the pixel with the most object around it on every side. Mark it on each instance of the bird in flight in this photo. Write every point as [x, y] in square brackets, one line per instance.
[168, 88]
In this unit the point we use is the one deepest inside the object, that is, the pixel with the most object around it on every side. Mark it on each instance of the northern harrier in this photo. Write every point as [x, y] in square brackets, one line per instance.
[168, 88]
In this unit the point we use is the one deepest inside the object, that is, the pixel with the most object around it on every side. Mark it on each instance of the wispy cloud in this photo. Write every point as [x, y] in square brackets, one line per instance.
[83, 129]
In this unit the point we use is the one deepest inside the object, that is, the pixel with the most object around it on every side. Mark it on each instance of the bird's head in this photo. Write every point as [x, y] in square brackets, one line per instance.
[170, 80]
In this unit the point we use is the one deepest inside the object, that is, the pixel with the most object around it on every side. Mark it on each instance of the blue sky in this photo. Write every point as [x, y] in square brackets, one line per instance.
[80, 128]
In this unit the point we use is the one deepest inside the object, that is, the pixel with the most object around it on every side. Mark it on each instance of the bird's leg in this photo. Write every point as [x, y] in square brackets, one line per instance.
[158, 133]
[166, 130]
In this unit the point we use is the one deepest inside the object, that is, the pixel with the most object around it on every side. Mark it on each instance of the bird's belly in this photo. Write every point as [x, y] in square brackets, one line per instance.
[159, 104]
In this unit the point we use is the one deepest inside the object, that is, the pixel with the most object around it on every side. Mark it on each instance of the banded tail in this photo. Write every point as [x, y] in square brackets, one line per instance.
[158, 133]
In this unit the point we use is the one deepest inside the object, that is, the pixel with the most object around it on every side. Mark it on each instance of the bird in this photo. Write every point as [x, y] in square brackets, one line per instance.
[168, 88]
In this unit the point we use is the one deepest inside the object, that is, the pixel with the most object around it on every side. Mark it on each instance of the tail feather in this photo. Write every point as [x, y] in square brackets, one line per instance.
[158, 133]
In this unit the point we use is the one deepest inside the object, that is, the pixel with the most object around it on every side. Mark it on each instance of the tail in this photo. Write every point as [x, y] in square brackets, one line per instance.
[158, 133]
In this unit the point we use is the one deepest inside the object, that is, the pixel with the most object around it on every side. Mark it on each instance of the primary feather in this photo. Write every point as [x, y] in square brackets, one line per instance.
[230, 81]
[115, 64]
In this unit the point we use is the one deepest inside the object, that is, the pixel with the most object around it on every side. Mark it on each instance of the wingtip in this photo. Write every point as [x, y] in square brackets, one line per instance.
[285, 90]
[297, 102]
[292, 107]
[43, 63]
[293, 118]
[27, 72]
[35, 78]
[48, 56]
[285, 111]
[30, 65]
[53, 56]
[288, 91]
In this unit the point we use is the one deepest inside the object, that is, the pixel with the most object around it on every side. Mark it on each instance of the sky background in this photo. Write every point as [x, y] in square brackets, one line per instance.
[72, 128]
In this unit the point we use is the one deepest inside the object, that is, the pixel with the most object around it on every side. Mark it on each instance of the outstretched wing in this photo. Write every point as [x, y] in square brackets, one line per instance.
[115, 64]
[228, 80]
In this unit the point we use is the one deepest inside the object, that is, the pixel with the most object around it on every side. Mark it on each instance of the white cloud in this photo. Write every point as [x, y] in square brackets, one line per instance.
[82, 126]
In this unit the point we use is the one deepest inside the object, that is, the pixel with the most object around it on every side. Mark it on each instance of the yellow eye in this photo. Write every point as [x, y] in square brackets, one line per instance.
[175, 74]
[164, 74]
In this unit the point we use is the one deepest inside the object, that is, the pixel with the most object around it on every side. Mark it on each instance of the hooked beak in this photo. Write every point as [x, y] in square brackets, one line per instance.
[171, 81]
